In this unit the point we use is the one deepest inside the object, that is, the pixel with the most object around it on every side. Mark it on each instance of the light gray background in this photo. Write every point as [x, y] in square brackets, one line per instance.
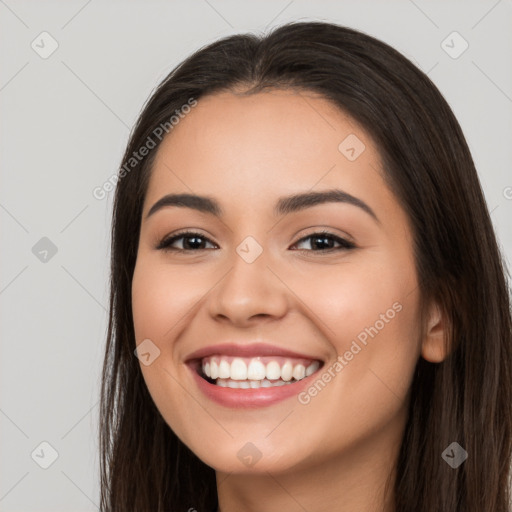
[64, 124]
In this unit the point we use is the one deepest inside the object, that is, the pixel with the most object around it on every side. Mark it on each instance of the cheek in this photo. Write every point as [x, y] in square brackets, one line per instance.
[369, 312]
[160, 299]
[369, 315]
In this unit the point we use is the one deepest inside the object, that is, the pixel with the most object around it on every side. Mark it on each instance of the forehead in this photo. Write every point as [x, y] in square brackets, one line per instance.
[263, 145]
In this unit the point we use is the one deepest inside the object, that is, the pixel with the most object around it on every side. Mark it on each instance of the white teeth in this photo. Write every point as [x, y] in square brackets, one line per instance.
[238, 369]
[273, 370]
[286, 371]
[224, 369]
[250, 384]
[214, 370]
[299, 372]
[249, 371]
[312, 368]
[256, 370]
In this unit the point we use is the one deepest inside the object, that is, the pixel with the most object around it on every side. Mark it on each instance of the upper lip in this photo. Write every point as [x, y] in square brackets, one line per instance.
[247, 350]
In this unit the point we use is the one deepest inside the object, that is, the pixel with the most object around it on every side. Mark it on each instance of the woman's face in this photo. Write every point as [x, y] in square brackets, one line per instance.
[267, 289]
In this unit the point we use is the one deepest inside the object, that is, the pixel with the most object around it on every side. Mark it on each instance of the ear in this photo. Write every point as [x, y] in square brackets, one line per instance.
[434, 346]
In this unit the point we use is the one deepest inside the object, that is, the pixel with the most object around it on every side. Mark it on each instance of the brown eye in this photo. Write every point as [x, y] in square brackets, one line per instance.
[325, 242]
[318, 242]
[189, 241]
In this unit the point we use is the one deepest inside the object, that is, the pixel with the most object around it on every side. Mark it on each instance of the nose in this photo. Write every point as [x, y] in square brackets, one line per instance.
[248, 293]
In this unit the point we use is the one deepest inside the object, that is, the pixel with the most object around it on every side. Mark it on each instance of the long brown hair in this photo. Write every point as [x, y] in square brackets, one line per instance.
[465, 399]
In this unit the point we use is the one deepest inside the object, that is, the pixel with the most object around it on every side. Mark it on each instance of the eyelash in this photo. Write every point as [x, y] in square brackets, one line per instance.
[165, 244]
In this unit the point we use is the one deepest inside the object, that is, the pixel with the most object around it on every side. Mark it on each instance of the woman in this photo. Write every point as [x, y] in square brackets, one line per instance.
[308, 306]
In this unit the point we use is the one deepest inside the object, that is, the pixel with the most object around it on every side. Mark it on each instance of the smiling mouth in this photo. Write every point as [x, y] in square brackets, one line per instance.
[255, 372]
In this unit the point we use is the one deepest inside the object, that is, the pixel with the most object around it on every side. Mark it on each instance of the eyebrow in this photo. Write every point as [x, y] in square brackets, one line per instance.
[284, 205]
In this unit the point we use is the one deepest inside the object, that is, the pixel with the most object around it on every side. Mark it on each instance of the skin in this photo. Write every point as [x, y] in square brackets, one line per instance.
[337, 451]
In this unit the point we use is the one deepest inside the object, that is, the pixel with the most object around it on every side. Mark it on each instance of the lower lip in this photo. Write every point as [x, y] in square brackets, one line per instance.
[246, 398]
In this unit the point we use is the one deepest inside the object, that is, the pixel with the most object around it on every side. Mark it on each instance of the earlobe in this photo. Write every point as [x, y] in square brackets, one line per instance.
[435, 339]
